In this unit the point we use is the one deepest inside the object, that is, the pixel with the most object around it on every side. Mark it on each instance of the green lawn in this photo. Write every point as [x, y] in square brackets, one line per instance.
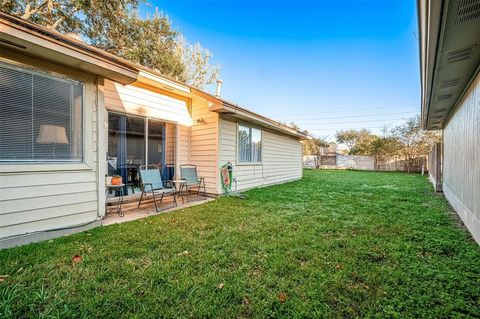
[335, 244]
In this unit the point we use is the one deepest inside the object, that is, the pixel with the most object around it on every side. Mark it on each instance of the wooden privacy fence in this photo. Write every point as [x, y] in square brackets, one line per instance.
[365, 163]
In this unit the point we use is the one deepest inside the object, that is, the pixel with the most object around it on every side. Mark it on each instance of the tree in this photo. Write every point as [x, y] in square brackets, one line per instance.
[357, 141]
[198, 71]
[114, 26]
[414, 141]
[382, 147]
[77, 16]
[150, 42]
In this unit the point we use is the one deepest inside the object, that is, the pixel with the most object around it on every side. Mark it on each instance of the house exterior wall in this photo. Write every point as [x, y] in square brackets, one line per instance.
[40, 196]
[137, 100]
[461, 166]
[281, 157]
[204, 145]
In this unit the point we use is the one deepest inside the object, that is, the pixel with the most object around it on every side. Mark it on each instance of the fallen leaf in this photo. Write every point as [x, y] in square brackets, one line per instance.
[221, 285]
[338, 266]
[282, 297]
[141, 293]
[173, 220]
[184, 253]
[77, 259]
[245, 301]
[2, 278]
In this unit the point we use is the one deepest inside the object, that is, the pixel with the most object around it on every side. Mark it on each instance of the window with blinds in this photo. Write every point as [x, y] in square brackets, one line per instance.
[40, 116]
[249, 144]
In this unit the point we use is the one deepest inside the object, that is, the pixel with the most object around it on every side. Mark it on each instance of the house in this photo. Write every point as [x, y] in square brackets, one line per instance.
[450, 85]
[71, 114]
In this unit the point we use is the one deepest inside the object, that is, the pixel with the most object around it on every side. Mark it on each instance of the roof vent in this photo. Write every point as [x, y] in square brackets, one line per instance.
[442, 97]
[468, 10]
[460, 54]
[448, 83]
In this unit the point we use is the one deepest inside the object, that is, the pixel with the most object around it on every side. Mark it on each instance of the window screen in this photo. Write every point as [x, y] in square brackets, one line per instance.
[40, 116]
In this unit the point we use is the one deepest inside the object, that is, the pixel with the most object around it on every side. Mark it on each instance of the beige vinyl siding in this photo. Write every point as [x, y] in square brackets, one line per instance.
[38, 196]
[461, 168]
[135, 100]
[170, 144]
[184, 145]
[204, 145]
[281, 157]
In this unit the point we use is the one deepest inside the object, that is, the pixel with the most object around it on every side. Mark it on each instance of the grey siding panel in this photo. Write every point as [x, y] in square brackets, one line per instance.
[281, 158]
[461, 179]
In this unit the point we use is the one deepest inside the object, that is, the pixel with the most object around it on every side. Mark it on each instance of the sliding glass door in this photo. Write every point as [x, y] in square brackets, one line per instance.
[133, 141]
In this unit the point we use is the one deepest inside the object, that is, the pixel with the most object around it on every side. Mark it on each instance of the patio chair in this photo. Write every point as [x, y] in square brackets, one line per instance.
[189, 175]
[151, 182]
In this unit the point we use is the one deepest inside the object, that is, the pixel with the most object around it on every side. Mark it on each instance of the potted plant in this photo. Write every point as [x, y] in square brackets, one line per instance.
[116, 180]
[108, 180]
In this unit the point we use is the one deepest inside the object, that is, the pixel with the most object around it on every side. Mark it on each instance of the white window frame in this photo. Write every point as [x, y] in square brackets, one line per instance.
[237, 146]
[77, 164]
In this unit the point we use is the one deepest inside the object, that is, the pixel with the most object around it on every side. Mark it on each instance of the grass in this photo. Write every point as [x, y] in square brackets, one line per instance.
[335, 244]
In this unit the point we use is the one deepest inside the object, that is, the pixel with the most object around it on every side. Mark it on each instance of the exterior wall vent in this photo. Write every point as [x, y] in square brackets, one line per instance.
[442, 97]
[468, 10]
[459, 55]
[448, 83]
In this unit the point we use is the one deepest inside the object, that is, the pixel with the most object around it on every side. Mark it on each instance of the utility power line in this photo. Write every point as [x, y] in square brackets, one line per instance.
[417, 107]
[350, 122]
[351, 116]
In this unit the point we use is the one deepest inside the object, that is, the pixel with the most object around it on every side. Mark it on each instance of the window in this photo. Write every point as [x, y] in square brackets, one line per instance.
[40, 117]
[249, 144]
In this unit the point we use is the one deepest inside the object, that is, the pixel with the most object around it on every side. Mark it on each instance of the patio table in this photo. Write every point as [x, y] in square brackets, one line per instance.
[118, 188]
[180, 184]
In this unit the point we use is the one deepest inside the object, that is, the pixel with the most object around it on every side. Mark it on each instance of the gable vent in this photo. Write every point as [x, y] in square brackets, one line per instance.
[468, 10]
[459, 55]
[442, 97]
[448, 83]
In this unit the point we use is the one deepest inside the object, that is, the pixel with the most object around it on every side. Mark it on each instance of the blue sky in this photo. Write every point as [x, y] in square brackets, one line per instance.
[326, 65]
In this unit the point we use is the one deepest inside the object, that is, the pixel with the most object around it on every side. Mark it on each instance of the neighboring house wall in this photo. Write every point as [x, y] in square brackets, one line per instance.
[461, 166]
[281, 157]
[39, 196]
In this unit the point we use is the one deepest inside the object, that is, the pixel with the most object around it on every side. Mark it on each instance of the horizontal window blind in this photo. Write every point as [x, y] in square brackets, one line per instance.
[40, 116]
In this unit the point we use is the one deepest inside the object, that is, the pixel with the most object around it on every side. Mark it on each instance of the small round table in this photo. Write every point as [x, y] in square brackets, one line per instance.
[118, 188]
[180, 184]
